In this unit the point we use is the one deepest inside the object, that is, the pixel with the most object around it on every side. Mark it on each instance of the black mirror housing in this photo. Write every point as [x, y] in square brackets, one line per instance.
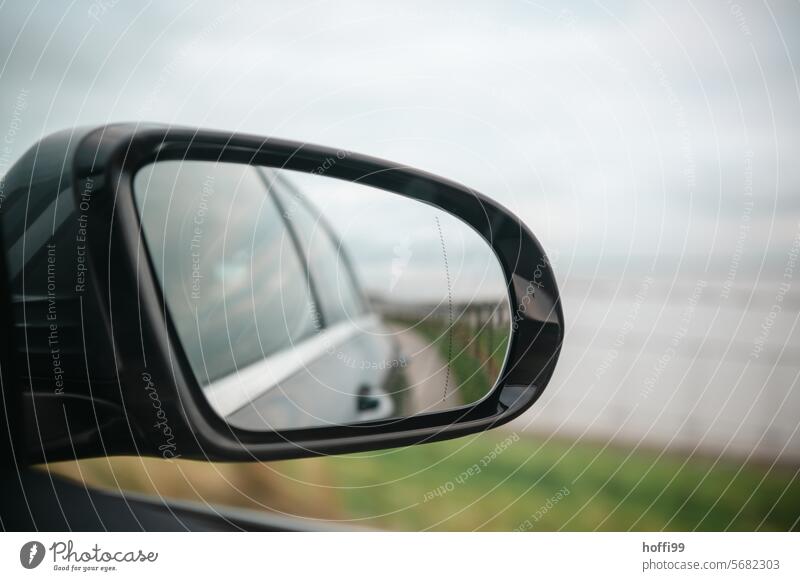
[94, 352]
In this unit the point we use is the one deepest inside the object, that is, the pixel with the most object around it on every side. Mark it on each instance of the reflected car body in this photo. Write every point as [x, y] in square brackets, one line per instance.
[274, 321]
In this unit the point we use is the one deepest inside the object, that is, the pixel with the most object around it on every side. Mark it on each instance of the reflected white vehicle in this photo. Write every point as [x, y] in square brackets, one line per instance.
[271, 314]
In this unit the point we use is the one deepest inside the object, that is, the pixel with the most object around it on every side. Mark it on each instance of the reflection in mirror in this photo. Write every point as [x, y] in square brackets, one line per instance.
[304, 301]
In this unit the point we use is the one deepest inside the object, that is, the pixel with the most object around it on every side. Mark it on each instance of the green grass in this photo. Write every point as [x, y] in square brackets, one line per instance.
[600, 489]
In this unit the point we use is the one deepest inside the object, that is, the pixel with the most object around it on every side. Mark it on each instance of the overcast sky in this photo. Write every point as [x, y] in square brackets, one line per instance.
[620, 132]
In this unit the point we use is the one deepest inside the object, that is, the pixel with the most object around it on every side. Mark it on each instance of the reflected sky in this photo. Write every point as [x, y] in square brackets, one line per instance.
[402, 250]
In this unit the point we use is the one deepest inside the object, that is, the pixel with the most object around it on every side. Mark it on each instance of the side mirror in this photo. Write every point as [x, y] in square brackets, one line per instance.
[188, 293]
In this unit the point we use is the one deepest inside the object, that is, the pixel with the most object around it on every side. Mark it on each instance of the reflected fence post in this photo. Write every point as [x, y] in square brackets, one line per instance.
[472, 334]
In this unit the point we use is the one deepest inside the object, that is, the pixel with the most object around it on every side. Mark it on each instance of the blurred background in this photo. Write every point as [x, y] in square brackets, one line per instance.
[651, 148]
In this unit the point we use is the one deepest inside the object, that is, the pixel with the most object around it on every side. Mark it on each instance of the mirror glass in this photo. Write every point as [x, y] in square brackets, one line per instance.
[305, 301]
